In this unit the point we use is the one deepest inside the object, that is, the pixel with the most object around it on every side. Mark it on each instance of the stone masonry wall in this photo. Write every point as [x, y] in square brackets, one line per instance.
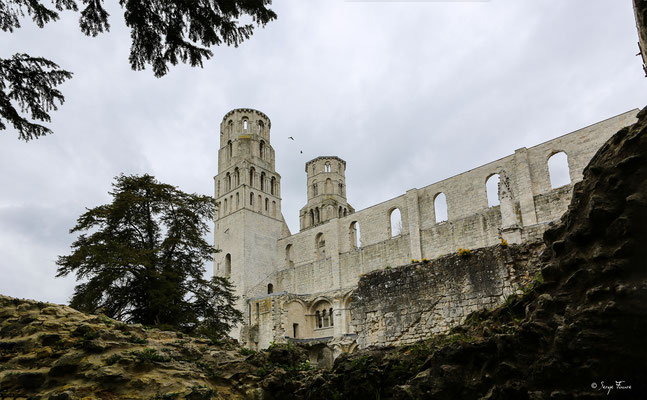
[471, 222]
[406, 304]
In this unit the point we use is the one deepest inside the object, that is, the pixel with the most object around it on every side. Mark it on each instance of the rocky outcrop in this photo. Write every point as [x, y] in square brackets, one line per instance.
[578, 332]
[54, 352]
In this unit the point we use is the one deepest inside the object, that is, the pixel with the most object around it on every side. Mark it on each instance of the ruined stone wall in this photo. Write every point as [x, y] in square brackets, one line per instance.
[471, 222]
[406, 304]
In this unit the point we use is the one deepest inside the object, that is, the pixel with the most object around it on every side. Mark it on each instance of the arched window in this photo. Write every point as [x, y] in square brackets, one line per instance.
[312, 218]
[225, 208]
[252, 172]
[315, 190]
[245, 123]
[319, 320]
[288, 255]
[345, 212]
[237, 201]
[341, 189]
[230, 126]
[328, 186]
[317, 215]
[272, 185]
[230, 149]
[270, 288]
[227, 265]
[260, 203]
[320, 246]
[236, 177]
[440, 207]
[274, 208]
[395, 222]
[340, 213]
[314, 168]
[251, 199]
[355, 238]
[558, 170]
[267, 204]
[330, 315]
[228, 180]
[261, 149]
[263, 181]
[492, 190]
[327, 167]
[261, 127]
[339, 168]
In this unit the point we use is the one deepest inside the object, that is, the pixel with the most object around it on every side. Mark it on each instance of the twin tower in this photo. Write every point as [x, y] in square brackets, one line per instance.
[249, 221]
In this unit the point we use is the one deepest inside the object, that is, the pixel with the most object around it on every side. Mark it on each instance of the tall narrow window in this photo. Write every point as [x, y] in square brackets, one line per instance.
[355, 239]
[230, 126]
[327, 167]
[245, 124]
[227, 265]
[267, 204]
[315, 190]
[317, 216]
[218, 185]
[558, 170]
[261, 128]
[319, 320]
[270, 288]
[492, 190]
[228, 180]
[230, 149]
[330, 314]
[341, 189]
[272, 185]
[288, 256]
[395, 220]
[251, 199]
[237, 201]
[440, 207]
[236, 176]
[261, 149]
[260, 203]
[263, 181]
[225, 208]
[312, 218]
[252, 172]
[274, 208]
[320, 246]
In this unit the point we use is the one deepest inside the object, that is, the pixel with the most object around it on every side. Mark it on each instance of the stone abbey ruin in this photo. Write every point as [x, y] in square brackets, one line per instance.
[303, 287]
[574, 330]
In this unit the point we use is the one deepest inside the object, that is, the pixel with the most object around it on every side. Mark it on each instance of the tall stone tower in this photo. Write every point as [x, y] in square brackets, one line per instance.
[248, 220]
[326, 192]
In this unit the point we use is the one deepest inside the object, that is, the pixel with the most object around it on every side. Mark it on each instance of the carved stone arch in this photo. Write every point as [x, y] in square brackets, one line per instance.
[492, 181]
[395, 221]
[559, 168]
[441, 209]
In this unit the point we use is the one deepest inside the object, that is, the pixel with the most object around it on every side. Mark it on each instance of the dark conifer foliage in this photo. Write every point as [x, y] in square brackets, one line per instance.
[141, 259]
[30, 83]
[163, 32]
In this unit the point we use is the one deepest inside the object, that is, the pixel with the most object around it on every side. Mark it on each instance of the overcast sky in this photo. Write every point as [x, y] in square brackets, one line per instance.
[408, 93]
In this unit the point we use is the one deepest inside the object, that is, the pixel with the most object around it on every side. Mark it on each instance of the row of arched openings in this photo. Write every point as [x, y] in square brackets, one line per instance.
[246, 125]
[232, 181]
[329, 188]
[327, 168]
[262, 150]
[324, 318]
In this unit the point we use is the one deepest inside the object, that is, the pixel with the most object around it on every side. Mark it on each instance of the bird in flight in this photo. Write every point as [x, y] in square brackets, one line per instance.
[301, 151]
[291, 138]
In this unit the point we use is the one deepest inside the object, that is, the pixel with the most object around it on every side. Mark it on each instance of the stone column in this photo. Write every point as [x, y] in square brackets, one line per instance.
[524, 185]
[413, 220]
